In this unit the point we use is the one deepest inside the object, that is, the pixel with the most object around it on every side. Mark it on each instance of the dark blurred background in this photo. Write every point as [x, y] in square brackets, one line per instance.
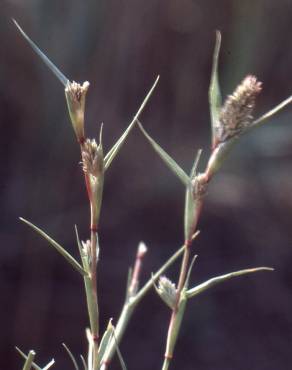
[120, 47]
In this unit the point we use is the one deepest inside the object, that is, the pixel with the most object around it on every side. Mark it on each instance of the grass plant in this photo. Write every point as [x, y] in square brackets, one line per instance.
[230, 120]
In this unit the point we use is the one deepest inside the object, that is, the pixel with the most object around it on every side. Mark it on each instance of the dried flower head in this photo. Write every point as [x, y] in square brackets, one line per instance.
[236, 114]
[92, 158]
[75, 96]
[93, 167]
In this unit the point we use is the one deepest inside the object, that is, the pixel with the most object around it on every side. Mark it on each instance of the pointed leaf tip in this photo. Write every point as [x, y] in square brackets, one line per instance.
[167, 159]
[221, 278]
[57, 246]
[117, 146]
[215, 100]
[61, 77]
[70, 354]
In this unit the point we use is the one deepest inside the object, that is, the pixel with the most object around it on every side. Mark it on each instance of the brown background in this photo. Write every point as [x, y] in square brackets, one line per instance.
[120, 46]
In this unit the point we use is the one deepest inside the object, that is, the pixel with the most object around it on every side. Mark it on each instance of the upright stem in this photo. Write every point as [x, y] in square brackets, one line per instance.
[183, 269]
[91, 281]
[93, 293]
[180, 304]
[132, 300]
[174, 328]
[124, 318]
[178, 310]
[92, 306]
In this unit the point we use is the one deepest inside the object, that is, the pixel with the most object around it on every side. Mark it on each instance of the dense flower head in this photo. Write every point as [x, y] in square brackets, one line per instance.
[236, 114]
[92, 159]
[75, 96]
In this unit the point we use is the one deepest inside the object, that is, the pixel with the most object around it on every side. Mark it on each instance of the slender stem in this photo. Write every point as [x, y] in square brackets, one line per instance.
[183, 269]
[134, 283]
[91, 281]
[130, 305]
[29, 361]
[179, 307]
[174, 328]
[178, 310]
[122, 323]
[95, 330]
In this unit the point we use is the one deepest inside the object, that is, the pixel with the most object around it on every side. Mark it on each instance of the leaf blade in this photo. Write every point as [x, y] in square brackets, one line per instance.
[61, 77]
[57, 246]
[215, 99]
[167, 159]
[271, 112]
[221, 278]
[117, 146]
[70, 354]
[191, 204]
[105, 341]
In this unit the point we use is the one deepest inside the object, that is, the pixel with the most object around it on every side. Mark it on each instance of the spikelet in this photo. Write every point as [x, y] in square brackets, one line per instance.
[236, 114]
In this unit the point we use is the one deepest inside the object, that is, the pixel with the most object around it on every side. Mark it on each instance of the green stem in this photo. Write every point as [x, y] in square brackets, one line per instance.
[90, 264]
[29, 361]
[173, 331]
[179, 307]
[129, 307]
[178, 311]
[92, 307]
[122, 323]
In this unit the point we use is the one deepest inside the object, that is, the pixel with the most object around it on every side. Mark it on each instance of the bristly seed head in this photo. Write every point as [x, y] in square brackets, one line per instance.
[236, 113]
[93, 167]
[75, 96]
[92, 158]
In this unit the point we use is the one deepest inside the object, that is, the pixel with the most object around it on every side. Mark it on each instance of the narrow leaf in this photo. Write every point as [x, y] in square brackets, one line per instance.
[105, 341]
[117, 146]
[29, 361]
[58, 247]
[271, 112]
[83, 362]
[190, 203]
[50, 364]
[122, 362]
[35, 366]
[79, 243]
[219, 279]
[195, 164]
[71, 356]
[215, 100]
[190, 271]
[64, 80]
[174, 167]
